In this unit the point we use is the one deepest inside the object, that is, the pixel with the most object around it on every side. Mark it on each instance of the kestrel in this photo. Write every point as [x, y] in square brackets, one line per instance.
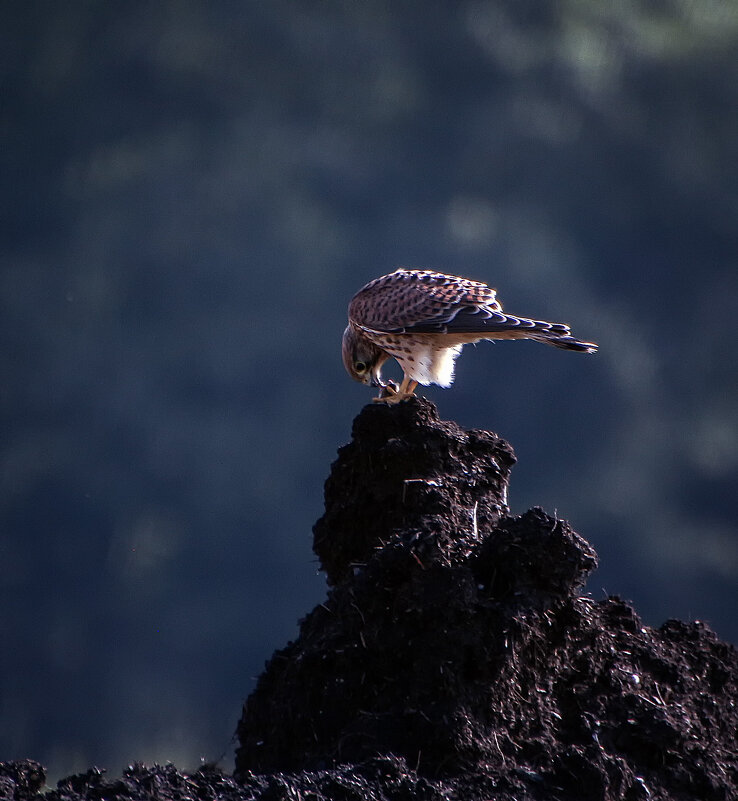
[423, 319]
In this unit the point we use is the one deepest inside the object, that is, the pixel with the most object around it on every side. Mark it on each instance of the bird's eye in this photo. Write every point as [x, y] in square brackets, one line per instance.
[360, 367]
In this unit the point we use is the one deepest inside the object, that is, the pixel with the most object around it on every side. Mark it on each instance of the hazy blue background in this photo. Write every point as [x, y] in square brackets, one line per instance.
[191, 193]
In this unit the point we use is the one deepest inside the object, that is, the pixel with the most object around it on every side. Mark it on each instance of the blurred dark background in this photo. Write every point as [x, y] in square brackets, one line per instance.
[191, 193]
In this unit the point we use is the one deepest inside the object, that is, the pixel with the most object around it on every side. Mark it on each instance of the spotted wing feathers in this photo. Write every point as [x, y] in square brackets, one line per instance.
[397, 302]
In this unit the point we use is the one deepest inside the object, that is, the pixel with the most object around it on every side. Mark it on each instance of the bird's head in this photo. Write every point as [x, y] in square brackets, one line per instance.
[362, 359]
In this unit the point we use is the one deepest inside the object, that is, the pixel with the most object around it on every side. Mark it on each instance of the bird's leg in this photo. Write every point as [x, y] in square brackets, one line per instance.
[407, 387]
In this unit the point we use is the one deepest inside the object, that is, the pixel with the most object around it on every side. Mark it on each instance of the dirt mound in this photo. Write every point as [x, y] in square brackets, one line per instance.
[454, 657]
[454, 637]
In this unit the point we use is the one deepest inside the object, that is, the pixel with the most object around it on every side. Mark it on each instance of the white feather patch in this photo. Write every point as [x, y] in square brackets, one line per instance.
[433, 366]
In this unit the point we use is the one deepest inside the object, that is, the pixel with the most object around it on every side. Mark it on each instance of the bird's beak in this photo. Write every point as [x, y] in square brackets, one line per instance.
[376, 381]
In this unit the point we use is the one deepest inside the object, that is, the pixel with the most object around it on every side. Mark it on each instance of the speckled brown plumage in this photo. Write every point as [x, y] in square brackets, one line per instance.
[423, 319]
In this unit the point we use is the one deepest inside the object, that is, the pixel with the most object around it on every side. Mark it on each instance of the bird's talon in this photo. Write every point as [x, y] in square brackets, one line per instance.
[396, 398]
[387, 391]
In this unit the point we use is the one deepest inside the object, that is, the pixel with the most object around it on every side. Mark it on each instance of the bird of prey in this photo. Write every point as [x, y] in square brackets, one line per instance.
[423, 319]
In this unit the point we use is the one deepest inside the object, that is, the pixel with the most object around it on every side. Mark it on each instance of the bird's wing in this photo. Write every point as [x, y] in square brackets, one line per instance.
[483, 320]
[410, 300]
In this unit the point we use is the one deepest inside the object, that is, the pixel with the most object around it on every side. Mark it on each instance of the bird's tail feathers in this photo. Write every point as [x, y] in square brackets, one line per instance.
[556, 334]
[566, 342]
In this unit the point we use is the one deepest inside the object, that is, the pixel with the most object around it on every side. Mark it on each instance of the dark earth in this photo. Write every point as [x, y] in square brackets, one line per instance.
[456, 657]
